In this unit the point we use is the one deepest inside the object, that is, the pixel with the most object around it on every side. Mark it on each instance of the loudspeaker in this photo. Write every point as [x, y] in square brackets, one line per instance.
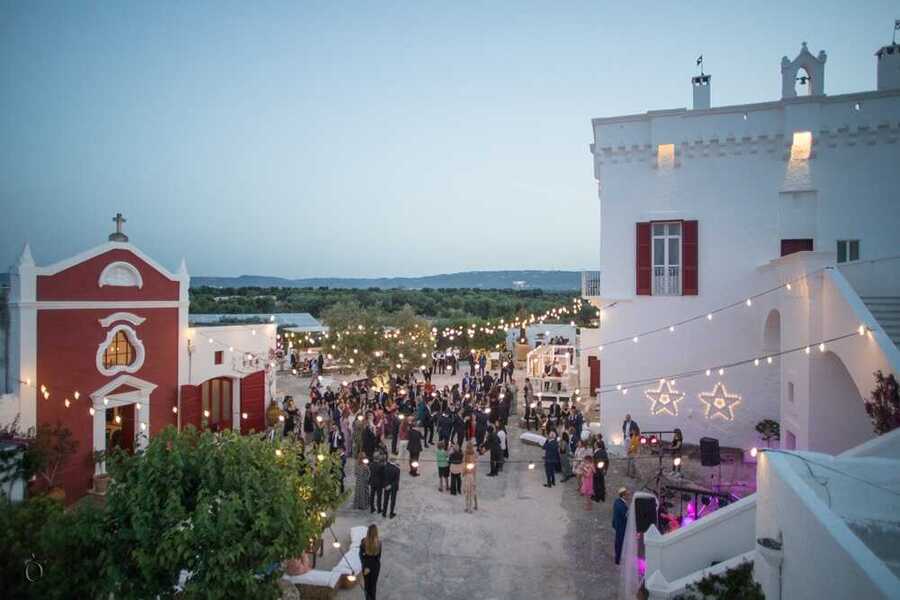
[709, 452]
[644, 513]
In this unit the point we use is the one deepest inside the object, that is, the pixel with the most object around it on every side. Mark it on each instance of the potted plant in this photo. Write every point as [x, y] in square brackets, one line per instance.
[883, 405]
[769, 430]
[101, 477]
[53, 446]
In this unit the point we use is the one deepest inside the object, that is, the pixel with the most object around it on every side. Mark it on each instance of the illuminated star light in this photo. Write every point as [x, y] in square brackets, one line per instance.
[664, 399]
[719, 403]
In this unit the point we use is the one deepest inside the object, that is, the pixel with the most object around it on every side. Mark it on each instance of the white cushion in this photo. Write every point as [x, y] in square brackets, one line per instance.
[354, 565]
[357, 535]
[314, 577]
[528, 437]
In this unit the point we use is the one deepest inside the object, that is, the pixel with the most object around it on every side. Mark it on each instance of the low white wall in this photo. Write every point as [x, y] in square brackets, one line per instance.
[718, 537]
[799, 503]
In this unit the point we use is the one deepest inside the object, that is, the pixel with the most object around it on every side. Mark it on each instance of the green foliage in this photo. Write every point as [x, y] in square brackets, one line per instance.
[376, 342]
[68, 546]
[733, 584]
[53, 445]
[769, 430]
[883, 405]
[221, 506]
[439, 304]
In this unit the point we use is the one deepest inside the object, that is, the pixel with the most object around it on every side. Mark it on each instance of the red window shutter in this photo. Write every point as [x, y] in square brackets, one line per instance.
[642, 247]
[191, 409]
[253, 400]
[690, 256]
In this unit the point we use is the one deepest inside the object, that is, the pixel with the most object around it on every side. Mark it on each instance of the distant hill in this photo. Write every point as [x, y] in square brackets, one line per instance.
[544, 280]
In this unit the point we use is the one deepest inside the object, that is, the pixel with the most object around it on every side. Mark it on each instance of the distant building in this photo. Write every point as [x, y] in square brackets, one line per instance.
[519, 285]
[100, 342]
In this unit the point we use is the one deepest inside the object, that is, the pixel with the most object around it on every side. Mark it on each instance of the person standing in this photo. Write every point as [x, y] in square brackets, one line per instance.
[620, 520]
[456, 469]
[427, 420]
[443, 466]
[588, 468]
[370, 559]
[414, 447]
[551, 459]
[492, 445]
[628, 427]
[361, 491]
[634, 446]
[565, 457]
[470, 459]
[391, 485]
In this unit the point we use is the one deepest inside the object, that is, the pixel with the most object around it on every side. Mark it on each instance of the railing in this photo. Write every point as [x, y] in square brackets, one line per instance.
[667, 281]
[590, 283]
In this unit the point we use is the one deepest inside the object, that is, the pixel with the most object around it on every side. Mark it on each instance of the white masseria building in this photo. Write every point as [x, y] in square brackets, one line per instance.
[751, 234]
[706, 208]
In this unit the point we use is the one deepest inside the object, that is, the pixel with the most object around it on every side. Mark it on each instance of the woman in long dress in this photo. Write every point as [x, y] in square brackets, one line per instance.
[587, 480]
[361, 491]
[470, 462]
[565, 457]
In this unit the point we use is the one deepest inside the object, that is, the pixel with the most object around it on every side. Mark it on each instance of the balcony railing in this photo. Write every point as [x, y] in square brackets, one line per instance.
[590, 283]
[666, 281]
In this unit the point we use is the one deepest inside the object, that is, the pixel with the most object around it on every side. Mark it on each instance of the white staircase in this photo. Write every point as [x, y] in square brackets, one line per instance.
[886, 310]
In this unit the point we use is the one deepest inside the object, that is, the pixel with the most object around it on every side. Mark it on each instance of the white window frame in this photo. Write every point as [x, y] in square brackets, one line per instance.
[667, 287]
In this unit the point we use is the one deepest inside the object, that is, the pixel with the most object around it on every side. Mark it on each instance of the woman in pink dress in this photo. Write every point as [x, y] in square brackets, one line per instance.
[587, 480]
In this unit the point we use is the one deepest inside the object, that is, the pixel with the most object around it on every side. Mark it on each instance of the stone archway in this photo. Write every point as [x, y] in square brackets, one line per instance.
[837, 414]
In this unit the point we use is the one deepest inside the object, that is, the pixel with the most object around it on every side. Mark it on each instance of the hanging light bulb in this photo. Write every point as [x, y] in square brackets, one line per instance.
[671, 328]
[77, 394]
[708, 372]
[66, 403]
[278, 452]
[754, 451]
[721, 371]
[806, 350]
[244, 415]
[788, 286]
[709, 316]
[175, 410]
[137, 405]
[92, 411]
[769, 359]
[749, 302]
[756, 362]
[635, 339]
[531, 466]
[822, 347]
[105, 401]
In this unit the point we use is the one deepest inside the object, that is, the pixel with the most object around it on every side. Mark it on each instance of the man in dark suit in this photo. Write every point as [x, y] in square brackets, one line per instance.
[620, 520]
[369, 438]
[551, 459]
[390, 483]
[627, 426]
[492, 444]
[554, 413]
[414, 447]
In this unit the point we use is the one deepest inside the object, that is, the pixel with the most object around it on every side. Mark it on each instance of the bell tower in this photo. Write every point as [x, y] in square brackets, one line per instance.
[806, 70]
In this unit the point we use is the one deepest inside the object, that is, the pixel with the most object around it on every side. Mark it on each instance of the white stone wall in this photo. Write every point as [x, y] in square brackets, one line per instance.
[734, 175]
[201, 363]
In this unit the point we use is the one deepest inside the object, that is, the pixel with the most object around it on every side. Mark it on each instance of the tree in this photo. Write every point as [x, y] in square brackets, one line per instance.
[768, 430]
[52, 447]
[733, 584]
[883, 406]
[225, 508]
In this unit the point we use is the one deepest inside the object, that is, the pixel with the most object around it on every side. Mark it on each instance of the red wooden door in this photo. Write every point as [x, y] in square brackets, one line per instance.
[642, 259]
[253, 399]
[191, 410]
[594, 366]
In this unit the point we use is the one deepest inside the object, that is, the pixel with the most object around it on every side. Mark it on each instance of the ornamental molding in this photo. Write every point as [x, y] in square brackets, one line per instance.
[121, 316]
[120, 274]
[776, 145]
[136, 343]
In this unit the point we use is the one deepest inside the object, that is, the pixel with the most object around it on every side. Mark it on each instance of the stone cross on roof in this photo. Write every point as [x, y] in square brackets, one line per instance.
[118, 236]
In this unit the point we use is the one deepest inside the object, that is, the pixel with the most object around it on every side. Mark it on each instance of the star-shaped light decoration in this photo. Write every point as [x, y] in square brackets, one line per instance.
[664, 399]
[719, 403]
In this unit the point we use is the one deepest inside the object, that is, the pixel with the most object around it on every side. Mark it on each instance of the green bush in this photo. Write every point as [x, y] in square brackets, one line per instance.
[733, 584]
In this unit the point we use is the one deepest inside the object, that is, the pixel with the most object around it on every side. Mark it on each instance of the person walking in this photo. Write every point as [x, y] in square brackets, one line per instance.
[443, 465]
[361, 491]
[456, 469]
[551, 459]
[370, 559]
[620, 520]
[470, 459]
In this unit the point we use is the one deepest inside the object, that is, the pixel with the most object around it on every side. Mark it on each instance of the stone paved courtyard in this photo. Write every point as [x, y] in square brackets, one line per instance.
[525, 541]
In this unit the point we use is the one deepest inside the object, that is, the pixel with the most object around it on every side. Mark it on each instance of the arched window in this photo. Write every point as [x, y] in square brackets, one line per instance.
[120, 352]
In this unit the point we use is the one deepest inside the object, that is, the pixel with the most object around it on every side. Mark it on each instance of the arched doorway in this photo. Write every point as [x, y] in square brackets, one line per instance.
[772, 333]
[837, 413]
[217, 402]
